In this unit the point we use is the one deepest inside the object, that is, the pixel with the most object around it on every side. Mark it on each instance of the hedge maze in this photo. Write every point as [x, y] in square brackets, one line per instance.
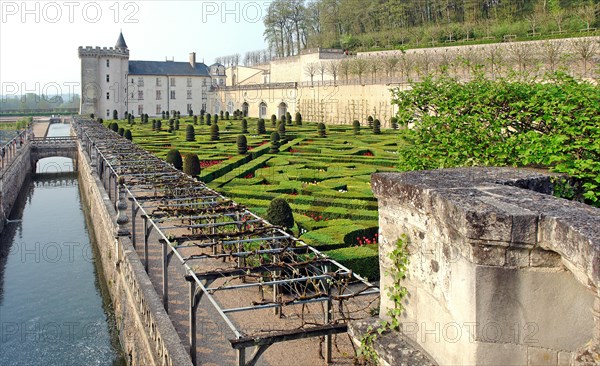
[324, 177]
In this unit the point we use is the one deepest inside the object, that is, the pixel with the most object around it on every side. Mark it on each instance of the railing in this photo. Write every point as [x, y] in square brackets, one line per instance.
[9, 150]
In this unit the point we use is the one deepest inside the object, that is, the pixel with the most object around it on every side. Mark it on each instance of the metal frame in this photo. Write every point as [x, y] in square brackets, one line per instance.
[187, 216]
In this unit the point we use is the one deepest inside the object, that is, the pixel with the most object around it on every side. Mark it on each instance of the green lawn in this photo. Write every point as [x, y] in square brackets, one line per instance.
[325, 180]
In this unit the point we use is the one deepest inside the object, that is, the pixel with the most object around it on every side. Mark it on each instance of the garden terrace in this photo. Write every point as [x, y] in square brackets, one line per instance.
[241, 266]
[326, 181]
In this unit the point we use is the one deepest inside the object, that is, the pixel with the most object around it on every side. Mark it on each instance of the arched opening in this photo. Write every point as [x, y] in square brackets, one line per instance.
[55, 165]
[230, 106]
[282, 109]
[262, 110]
[245, 109]
[233, 80]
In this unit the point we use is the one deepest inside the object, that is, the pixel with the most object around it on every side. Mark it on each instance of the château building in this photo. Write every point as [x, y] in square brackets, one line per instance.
[111, 82]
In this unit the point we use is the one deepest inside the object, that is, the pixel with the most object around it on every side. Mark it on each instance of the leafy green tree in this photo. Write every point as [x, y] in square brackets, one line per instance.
[214, 132]
[376, 127]
[191, 165]
[321, 129]
[244, 126]
[242, 144]
[260, 127]
[280, 213]
[190, 134]
[174, 158]
[281, 130]
[356, 127]
[274, 143]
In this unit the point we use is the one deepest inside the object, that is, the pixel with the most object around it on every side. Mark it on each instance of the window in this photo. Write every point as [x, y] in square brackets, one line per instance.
[140, 95]
[189, 107]
[158, 95]
[189, 82]
[107, 63]
[172, 94]
[108, 96]
[262, 109]
[131, 96]
[189, 94]
[158, 82]
[107, 78]
[172, 81]
[108, 110]
[204, 82]
[221, 82]
[158, 109]
[132, 80]
[140, 109]
[140, 81]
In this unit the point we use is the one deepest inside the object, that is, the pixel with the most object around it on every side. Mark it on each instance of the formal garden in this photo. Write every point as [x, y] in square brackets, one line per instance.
[323, 172]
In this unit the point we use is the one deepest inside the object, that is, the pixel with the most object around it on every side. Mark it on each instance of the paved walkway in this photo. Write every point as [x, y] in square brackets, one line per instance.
[40, 129]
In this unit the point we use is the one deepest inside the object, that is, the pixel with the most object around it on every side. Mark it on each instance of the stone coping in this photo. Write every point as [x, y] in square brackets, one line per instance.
[503, 208]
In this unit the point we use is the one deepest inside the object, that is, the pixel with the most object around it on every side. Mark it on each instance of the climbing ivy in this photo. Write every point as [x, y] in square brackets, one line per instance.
[551, 123]
[396, 293]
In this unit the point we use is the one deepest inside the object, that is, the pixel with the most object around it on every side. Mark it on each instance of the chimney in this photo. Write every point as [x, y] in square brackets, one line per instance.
[193, 59]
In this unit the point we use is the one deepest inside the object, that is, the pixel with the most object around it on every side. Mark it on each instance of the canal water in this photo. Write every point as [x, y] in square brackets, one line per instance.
[54, 305]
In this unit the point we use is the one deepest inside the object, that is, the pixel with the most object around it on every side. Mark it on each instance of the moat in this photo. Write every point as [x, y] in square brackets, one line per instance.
[54, 305]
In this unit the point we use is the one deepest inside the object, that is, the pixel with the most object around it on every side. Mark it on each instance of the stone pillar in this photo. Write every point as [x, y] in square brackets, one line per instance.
[122, 220]
[589, 354]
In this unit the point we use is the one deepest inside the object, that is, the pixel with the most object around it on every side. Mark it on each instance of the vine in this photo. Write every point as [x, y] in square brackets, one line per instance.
[366, 353]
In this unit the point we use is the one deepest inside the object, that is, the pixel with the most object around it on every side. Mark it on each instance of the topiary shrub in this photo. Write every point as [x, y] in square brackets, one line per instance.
[370, 122]
[177, 124]
[190, 133]
[195, 119]
[92, 116]
[281, 130]
[208, 119]
[242, 144]
[100, 120]
[191, 112]
[356, 127]
[128, 135]
[174, 158]
[227, 115]
[244, 126]
[158, 125]
[281, 119]
[273, 120]
[280, 213]
[115, 114]
[215, 119]
[191, 165]
[274, 143]
[214, 132]
[163, 115]
[298, 119]
[321, 129]
[166, 116]
[376, 127]
[260, 127]
[288, 118]
[394, 123]
[114, 126]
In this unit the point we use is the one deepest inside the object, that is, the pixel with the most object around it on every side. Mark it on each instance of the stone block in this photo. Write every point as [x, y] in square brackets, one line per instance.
[517, 258]
[541, 357]
[545, 258]
[564, 358]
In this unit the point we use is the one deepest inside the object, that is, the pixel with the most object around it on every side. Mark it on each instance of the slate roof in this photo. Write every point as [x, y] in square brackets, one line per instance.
[167, 68]
[121, 41]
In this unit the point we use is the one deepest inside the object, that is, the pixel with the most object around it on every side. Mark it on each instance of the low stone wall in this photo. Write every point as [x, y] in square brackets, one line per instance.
[500, 271]
[146, 332]
[11, 181]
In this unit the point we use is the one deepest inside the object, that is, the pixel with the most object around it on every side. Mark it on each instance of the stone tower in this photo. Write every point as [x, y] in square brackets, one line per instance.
[104, 79]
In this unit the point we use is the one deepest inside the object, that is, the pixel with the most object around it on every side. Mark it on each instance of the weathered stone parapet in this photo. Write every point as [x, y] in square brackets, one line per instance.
[501, 272]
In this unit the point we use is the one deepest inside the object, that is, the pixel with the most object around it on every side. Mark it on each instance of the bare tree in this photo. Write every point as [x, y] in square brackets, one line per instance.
[407, 62]
[587, 13]
[322, 69]
[333, 68]
[585, 49]
[310, 69]
[553, 51]
[521, 55]
[495, 59]
[345, 67]
[390, 64]
[358, 68]
[374, 65]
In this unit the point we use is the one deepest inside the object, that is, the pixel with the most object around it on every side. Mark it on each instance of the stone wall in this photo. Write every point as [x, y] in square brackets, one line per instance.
[146, 332]
[500, 271]
[11, 181]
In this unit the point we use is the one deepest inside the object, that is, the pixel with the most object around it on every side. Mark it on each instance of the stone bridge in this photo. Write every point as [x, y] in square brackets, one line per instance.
[47, 147]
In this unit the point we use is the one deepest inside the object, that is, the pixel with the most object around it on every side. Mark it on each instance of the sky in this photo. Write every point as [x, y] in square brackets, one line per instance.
[39, 39]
